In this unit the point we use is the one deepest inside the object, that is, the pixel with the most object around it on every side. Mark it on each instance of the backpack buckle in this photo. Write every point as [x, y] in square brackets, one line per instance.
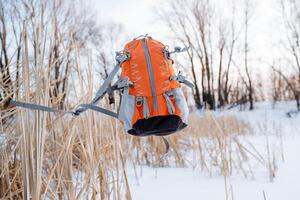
[121, 83]
[181, 79]
[122, 57]
[170, 95]
[139, 101]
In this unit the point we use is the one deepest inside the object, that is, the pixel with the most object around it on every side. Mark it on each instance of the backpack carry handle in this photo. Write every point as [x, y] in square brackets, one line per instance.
[121, 57]
[143, 36]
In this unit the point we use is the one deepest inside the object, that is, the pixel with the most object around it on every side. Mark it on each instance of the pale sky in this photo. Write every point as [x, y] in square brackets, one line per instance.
[138, 17]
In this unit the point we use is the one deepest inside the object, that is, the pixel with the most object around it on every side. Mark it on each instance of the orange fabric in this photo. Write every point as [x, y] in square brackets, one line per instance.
[136, 70]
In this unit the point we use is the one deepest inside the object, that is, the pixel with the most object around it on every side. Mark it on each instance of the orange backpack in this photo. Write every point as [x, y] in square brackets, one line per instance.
[153, 103]
[152, 100]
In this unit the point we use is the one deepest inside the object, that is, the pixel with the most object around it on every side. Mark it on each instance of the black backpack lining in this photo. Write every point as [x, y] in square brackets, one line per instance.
[158, 125]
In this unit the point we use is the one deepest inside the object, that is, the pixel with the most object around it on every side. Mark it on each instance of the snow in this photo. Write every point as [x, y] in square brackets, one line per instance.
[267, 121]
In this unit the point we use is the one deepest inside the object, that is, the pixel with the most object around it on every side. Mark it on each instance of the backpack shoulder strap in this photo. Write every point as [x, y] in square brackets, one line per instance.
[120, 58]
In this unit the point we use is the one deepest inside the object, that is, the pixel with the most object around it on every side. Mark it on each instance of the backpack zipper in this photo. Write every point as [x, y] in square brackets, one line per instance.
[151, 74]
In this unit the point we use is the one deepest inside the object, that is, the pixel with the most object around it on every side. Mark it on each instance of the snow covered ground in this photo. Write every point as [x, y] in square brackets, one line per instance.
[192, 184]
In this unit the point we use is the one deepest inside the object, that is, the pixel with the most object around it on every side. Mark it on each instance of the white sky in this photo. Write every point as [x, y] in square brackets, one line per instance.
[138, 17]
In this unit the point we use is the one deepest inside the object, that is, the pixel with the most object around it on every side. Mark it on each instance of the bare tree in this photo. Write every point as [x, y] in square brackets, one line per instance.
[195, 24]
[248, 11]
[5, 59]
[178, 20]
[277, 87]
[203, 13]
[230, 44]
[291, 19]
[291, 85]
[221, 47]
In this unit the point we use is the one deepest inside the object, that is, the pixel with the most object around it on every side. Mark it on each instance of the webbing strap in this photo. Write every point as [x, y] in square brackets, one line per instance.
[99, 95]
[145, 108]
[99, 109]
[151, 74]
[167, 145]
[37, 107]
[181, 79]
[171, 108]
[101, 91]
[53, 110]
[123, 103]
[188, 83]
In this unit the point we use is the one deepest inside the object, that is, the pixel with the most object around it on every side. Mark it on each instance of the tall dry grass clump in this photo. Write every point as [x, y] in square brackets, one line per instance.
[46, 155]
[58, 156]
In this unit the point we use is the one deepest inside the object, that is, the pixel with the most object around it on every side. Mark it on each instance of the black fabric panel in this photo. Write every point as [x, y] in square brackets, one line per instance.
[159, 126]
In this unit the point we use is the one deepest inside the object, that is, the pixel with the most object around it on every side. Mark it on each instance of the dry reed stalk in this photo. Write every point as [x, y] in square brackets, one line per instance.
[60, 157]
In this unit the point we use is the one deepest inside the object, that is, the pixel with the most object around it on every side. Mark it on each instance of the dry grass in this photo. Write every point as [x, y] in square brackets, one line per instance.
[86, 157]
[62, 157]
[206, 126]
[59, 156]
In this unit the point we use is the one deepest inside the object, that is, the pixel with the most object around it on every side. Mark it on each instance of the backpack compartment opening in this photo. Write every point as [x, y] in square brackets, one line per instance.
[158, 125]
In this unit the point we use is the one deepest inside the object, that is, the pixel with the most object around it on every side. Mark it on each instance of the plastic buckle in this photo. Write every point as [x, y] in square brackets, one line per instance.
[124, 83]
[122, 57]
[139, 101]
[170, 95]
